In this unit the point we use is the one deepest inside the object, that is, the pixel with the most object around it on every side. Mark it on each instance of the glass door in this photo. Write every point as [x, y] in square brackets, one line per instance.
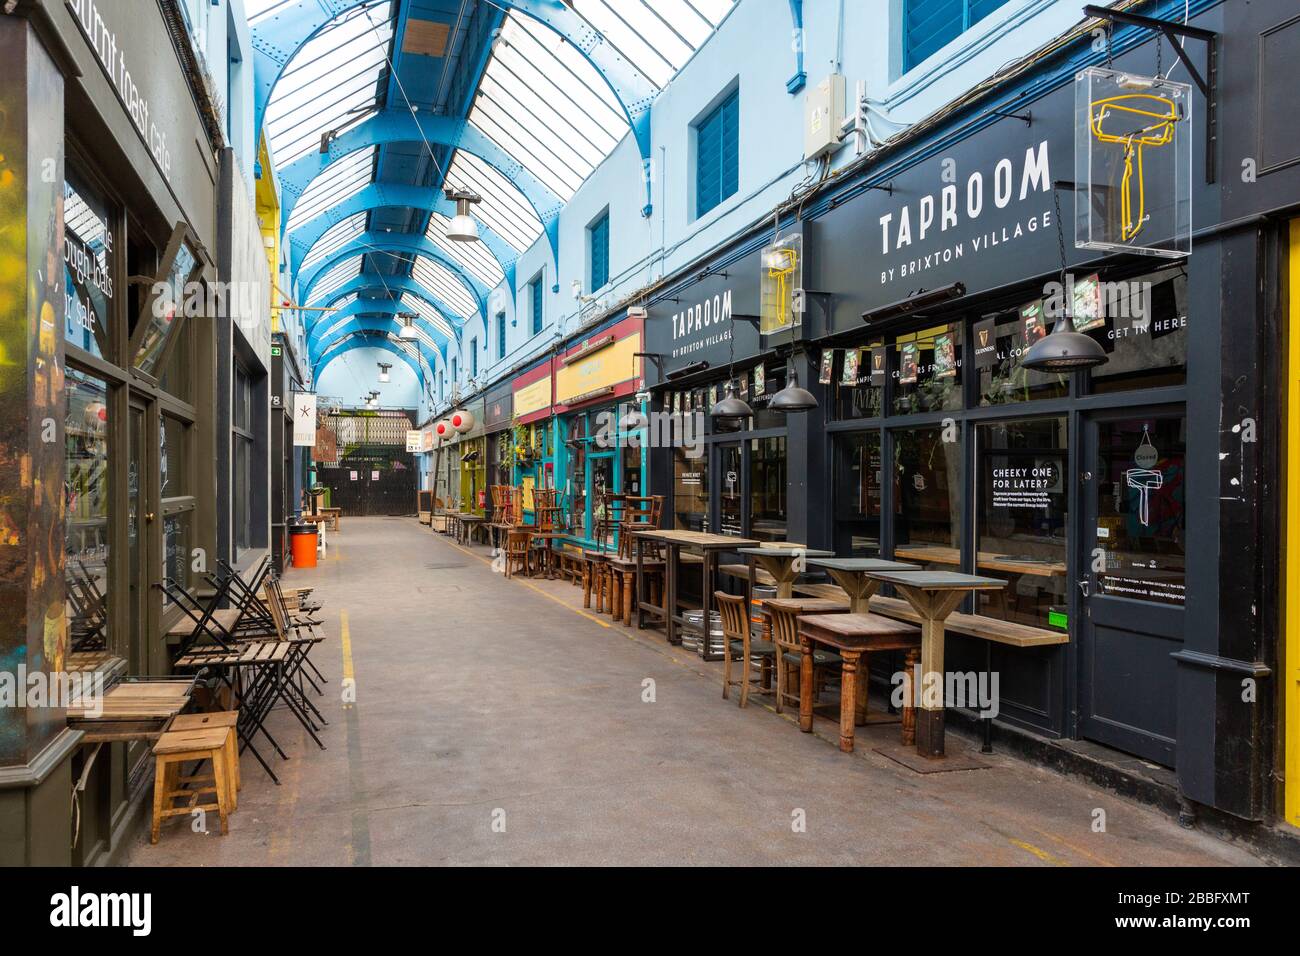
[1133, 580]
[603, 483]
[731, 496]
[138, 520]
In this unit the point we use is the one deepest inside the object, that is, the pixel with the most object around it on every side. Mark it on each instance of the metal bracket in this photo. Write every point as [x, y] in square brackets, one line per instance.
[1208, 84]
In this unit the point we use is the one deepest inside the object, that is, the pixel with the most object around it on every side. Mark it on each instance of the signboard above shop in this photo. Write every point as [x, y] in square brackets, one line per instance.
[981, 212]
[604, 365]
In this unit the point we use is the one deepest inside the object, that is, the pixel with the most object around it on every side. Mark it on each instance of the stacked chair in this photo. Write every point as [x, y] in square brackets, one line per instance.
[253, 640]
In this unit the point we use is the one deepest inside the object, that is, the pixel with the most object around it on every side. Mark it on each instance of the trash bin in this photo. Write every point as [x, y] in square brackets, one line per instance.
[302, 544]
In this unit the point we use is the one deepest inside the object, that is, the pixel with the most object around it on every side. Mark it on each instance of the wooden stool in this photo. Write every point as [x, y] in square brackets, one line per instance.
[622, 574]
[594, 571]
[220, 718]
[175, 748]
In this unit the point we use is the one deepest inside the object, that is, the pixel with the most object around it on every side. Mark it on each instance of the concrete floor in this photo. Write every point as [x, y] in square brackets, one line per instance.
[496, 722]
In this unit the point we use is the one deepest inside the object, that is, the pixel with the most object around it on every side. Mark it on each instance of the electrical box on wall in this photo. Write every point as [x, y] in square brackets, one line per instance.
[823, 117]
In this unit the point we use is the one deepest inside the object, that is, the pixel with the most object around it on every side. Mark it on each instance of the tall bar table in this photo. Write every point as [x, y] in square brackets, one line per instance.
[853, 575]
[782, 563]
[710, 546]
[933, 595]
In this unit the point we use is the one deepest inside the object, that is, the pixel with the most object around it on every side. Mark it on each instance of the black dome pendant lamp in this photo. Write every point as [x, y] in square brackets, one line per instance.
[1064, 349]
[793, 398]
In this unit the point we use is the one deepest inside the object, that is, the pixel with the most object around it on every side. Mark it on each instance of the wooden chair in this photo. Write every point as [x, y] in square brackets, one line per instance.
[785, 636]
[638, 514]
[176, 748]
[736, 628]
[518, 552]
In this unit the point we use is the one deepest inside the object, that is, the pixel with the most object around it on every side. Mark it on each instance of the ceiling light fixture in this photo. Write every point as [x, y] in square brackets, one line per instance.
[407, 330]
[462, 227]
[383, 372]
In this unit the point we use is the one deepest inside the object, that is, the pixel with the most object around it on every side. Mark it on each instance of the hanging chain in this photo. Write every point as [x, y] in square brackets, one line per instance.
[1110, 59]
[1066, 293]
[1160, 54]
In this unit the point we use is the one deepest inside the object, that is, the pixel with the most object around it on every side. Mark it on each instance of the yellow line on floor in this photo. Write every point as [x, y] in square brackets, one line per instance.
[1041, 854]
[345, 641]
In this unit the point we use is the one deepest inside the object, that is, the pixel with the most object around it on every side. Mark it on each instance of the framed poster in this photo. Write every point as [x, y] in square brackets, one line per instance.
[908, 366]
[1031, 320]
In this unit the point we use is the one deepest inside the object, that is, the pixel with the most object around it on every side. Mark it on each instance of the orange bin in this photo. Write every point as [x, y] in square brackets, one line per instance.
[302, 544]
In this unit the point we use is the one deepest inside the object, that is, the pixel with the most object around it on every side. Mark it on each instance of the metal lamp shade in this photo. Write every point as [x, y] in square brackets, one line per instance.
[462, 228]
[1064, 350]
[731, 407]
[793, 398]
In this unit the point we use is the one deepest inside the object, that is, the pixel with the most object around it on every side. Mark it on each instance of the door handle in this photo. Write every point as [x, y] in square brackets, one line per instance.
[1085, 587]
[149, 517]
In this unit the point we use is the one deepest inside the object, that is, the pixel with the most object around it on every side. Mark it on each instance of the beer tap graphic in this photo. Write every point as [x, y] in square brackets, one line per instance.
[1145, 480]
[1155, 117]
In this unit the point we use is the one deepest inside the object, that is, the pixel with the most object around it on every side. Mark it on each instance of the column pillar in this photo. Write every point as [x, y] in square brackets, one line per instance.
[35, 775]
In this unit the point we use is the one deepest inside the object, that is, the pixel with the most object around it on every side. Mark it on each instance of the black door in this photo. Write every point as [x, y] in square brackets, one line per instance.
[731, 496]
[1133, 509]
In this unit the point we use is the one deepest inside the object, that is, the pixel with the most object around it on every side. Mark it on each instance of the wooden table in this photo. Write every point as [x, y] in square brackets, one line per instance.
[466, 525]
[989, 560]
[783, 563]
[852, 575]
[853, 636]
[709, 546]
[933, 595]
[132, 709]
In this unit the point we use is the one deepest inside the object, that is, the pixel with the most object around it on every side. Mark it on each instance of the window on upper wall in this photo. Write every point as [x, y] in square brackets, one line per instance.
[473, 357]
[598, 239]
[501, 335]
[535, 303]
[454, 376]
[717, 154]
[929, 25]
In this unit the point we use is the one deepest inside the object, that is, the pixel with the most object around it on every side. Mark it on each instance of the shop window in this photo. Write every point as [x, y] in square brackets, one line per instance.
[164, 314]
[926, 368]
[632, 469]
[598, 240]
[178, 370]
[857, 495]
[1021, 529]
[717, 154]
[763, 383]
[999, 343]
[1144, 333]
[930, 25]
[603, 515]
[243, 444]
[927, 497]
[577, 474]
[87, 533]
[90, 287]
[690, 491]
[767, 489]
[857, 377]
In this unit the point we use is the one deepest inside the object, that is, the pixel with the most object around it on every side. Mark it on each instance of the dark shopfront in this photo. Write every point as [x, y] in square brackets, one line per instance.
[1101, 497]
[128, 379]
[728, 476]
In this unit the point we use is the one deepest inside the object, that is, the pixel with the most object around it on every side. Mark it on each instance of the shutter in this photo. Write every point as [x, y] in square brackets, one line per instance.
[929, 25]
[600, 252]
[717, 158]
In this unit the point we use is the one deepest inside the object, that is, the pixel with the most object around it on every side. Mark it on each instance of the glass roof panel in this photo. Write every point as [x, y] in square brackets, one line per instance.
[503, 209]
[544, 107]
[347, 177]
[335, 238]
[474, 256]
[337, 276]
[444, 285]
[429, 314]
[331, 82]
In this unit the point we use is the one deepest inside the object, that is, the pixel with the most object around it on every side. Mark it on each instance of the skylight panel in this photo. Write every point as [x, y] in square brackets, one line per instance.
[340, 180]
[544, 107]
[331, 82]
[503, 209]
[334, 279]
[427, 312]
[474, 256]
[444, 286]
[335, 238]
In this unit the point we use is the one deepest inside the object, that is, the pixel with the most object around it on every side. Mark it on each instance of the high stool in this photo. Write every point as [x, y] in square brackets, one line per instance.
[622, 575]
[175, 748]
[221, 718]
[595, 569]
